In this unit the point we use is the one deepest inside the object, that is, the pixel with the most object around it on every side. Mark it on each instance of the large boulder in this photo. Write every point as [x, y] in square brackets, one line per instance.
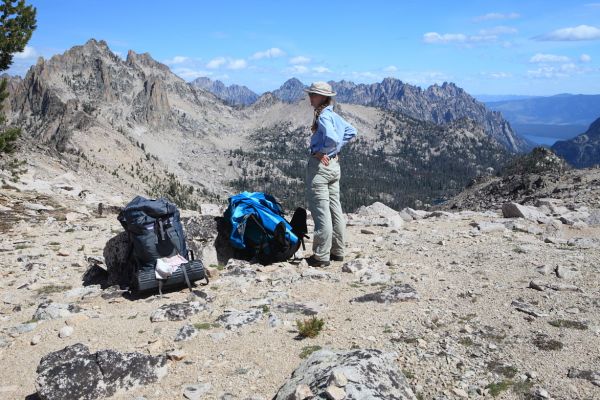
[516, 210]
[377, 214]
[208, 237]
[353, 374]
[73, 373]
[115, 255]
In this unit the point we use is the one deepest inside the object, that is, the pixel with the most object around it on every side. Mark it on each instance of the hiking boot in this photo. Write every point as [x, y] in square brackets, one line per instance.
[333, 257]
[313, 262]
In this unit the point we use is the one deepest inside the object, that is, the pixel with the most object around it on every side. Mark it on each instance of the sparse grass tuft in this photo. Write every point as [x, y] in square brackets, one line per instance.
[265, 309]
[54, 289]
[310, 327]
[466, 341]
[308, 350]
[508, 371]
[498, 387]
[205, 325]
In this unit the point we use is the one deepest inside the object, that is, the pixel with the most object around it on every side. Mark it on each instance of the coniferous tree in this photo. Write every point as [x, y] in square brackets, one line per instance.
[17, 23]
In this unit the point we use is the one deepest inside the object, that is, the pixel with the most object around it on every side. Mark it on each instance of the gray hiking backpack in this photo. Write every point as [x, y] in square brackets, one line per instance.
[155, 231]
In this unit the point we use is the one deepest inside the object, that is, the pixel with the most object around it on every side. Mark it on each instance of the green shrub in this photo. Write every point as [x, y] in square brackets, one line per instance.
[310, 327]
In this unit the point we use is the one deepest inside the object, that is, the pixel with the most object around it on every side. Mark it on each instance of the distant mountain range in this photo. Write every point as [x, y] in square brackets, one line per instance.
[438, 104]
[582, 151]
[234, 95]
[557, 117]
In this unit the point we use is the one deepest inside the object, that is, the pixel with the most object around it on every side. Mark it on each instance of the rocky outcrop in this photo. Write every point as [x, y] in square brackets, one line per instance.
[354, 374]
[151, 105]
[582, 151]
[74, 373]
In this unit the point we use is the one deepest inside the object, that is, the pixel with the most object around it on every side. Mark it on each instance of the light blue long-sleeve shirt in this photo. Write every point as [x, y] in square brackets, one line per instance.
[333, 132]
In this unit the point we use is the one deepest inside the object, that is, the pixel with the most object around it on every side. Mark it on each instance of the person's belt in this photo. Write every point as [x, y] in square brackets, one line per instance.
[330, 156]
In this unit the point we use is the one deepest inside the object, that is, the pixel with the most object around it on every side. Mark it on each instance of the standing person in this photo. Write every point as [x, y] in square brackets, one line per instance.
[330, 133]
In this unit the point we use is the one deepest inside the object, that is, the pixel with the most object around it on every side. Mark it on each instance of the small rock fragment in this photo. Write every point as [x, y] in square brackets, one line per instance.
[176, 355]
[196, 392]
[335, 393]
[65, 332]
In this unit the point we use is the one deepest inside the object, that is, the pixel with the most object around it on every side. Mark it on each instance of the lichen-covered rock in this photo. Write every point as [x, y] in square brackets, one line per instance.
[187, 332]
[49, 310]
[233, 319]
[371, 374]
[393, 294]
[73, 373]
[177, 311]
[115, 257]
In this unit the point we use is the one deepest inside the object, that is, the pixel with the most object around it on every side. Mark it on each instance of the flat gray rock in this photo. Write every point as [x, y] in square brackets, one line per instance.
[300, 308]
[371, 374]
[234, 319]
[393, 294]
[49, 310]
[515, 210]
[196, 391]
[176, 311]
[74, 373]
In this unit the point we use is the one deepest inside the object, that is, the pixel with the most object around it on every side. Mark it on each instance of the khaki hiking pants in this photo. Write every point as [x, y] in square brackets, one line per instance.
[323, 196]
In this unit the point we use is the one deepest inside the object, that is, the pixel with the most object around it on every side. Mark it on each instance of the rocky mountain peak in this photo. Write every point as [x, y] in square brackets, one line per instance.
[266, 100]
[145, 61]
[291, 91]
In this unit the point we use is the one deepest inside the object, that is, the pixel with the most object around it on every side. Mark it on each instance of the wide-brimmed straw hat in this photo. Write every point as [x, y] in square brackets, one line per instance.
[322, 88]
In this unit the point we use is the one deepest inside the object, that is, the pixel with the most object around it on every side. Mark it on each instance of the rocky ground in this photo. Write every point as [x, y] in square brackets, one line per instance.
[463, 305]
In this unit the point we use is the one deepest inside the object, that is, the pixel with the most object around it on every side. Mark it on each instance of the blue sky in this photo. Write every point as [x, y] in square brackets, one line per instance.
[487, 47]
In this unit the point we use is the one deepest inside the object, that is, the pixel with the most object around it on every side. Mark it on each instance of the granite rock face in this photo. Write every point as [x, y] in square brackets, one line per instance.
[371, 374]
[74, 373]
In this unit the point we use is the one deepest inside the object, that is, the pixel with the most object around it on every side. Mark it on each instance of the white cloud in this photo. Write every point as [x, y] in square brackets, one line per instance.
[498, 30]
[580, 32]
[437, 38]
[561, 71]
[188, 73]
[585, 58]
[434, 37]
[498, 75]
[237, 64]
[321, 69]
[391, 69]
[176, 60]
[298, 69]
[216, 62]
[548, 58]
[299, 60]
[273, 52]
[496, 16]
[28, 52]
